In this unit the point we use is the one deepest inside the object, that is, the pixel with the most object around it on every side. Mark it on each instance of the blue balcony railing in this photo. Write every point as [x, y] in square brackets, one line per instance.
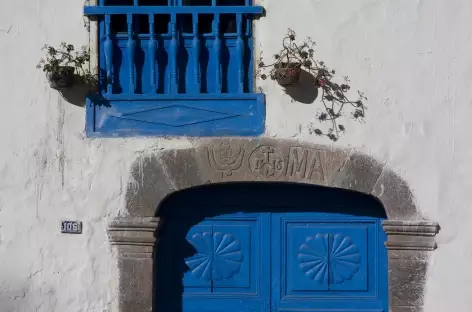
[175, 70]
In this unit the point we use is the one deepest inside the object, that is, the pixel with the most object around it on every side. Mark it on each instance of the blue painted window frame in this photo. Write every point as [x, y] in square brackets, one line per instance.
[154, 84]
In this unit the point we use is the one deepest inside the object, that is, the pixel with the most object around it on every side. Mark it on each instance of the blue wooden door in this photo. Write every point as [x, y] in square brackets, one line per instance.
[262, 251]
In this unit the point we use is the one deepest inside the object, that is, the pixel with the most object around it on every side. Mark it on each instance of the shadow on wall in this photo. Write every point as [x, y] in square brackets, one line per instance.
[304, 91]
[75, 95]
[184, 209]
[78, 92]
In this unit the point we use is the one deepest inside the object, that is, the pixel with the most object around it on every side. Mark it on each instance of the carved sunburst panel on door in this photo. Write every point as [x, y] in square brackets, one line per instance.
[330, 259]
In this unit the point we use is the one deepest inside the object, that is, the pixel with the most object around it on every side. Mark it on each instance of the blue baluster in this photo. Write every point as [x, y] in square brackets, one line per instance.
[108, 45]
[102, 71]
[217, 51]
[131, 52]
[173, 55]
[152, 53]
[196, 51]
[240, 52]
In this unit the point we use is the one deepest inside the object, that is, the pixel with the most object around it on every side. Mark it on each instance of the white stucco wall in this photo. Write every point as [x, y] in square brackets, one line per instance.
[411, 58]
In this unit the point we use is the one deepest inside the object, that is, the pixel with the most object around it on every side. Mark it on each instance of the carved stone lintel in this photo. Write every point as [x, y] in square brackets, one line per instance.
[134, 237]
[410, 235]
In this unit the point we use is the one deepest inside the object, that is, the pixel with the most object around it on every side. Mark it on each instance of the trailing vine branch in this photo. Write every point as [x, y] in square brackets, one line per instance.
[286, 68]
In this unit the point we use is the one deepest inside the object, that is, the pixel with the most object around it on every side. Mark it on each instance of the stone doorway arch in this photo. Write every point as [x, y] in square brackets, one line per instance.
[410, 238]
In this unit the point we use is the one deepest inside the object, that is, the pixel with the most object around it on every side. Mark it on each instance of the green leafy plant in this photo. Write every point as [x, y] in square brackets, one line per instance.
[65, 66]
[286, 68]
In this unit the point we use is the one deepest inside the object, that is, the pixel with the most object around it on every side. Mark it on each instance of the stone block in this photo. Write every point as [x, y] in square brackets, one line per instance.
[182, 169]
[410, 235]
[225, 160]
[147, 187]
[406, 282]
[268, 160]
[360, 173]
[135, 284]
[396, 196]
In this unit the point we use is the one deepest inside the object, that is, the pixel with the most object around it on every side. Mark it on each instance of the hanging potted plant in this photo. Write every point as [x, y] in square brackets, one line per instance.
[64, 66]
[287, 65]
[295, 57]
[287, 73]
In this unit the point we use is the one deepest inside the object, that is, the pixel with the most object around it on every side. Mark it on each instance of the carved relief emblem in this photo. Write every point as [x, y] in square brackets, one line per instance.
[225, 158]
[267, 162]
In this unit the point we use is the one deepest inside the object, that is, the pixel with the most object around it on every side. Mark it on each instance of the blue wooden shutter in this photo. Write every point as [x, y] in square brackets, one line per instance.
[167, 68]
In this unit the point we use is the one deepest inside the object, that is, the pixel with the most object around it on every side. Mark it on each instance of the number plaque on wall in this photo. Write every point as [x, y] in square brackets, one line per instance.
[71, 227]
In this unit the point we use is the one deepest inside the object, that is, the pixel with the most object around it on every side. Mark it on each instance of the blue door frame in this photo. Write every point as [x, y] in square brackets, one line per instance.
[271, 247]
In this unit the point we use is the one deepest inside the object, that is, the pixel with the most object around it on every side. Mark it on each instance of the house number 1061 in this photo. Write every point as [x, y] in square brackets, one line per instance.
[71, 227]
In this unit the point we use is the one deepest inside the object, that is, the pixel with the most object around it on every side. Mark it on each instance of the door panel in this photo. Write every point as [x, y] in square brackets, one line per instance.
[225, 271]
[326, 261]
[326, 257]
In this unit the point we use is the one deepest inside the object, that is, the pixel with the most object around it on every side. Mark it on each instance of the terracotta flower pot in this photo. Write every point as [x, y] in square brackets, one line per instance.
[289, 74]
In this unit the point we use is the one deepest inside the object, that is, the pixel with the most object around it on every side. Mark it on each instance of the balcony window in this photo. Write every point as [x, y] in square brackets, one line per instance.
[175, 68]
